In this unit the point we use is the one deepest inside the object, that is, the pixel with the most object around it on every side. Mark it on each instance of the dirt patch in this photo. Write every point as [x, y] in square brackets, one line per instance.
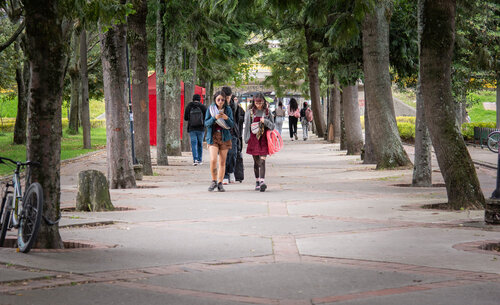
[117, 209]
[409, 185]
[68, 246]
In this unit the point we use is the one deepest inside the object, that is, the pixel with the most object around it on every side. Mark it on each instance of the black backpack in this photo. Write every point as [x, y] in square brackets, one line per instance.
[196, 117]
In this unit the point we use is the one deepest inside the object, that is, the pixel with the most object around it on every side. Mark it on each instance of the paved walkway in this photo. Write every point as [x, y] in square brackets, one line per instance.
[329, 230]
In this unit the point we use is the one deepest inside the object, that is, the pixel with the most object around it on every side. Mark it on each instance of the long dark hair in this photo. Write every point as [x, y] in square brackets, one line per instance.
[223, 95]
[293, 104]
[261, 96]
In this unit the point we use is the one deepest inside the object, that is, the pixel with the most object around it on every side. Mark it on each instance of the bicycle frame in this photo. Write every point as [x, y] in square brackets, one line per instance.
[16, 197]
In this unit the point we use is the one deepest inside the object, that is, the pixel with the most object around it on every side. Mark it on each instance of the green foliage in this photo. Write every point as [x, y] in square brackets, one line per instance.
[477, 113]
[71, 146]
[406, 131]
[468, 129]
[9, 58]
[403, 43]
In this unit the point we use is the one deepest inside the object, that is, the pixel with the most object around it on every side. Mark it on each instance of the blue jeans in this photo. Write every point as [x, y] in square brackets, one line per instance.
[231, 157]
[197, 144]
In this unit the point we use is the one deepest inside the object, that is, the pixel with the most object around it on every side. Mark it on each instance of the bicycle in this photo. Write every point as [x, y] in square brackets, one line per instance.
[493, 139]
[21, 211]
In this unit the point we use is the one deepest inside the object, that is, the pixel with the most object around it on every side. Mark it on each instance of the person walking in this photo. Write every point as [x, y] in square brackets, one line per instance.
[195, 116]
[218, 120]
[280, 116]
[293, 117]
[305, 119]
[231, 154]
[258, 120]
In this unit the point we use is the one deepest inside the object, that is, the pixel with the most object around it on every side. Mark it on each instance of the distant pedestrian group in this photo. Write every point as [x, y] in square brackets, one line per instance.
[225, 126]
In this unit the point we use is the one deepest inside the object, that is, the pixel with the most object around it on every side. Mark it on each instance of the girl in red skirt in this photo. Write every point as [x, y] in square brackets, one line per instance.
[258, 119]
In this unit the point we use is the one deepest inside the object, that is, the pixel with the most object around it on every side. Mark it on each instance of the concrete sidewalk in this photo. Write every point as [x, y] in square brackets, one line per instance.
[329, 230]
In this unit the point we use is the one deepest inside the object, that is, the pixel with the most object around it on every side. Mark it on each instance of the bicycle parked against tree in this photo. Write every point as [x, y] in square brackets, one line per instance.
[21, 211]
[493, 139]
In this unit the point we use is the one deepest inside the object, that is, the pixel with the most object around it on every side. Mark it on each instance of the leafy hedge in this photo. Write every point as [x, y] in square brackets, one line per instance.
[7, 124]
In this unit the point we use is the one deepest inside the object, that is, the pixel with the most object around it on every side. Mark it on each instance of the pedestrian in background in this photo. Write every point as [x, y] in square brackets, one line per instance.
[258, 120]
[293, 117]
[231, 154]
[218, 120]
[280, 116]
[195, 116]
[305, 120]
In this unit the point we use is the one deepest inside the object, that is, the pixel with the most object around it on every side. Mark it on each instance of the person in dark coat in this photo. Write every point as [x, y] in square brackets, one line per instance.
[195, 116]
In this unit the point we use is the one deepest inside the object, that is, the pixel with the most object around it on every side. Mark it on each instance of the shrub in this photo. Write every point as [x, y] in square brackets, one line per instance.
[406, 131]
[468, 129]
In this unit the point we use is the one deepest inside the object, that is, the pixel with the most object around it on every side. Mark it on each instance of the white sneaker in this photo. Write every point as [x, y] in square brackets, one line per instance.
[225, 181]
[232, 179]
[200, 163]
[195, 163]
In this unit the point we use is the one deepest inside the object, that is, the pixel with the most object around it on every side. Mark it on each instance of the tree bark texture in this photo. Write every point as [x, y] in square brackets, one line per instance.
[45, 45]
[422, 168]
[74, 74]
[84, 86]
[384, 132]
[173, 98]
[343, 142]
[313, 76]
[23, 83]
[118, 141]
[353, 131]
[336, 97]
[436, 45]
[139, 71]
[189, 92]
[161, 112]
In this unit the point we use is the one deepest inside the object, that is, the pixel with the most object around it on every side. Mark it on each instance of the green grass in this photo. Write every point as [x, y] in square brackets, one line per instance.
[8, 107]
[71, 146]
[478, 114]
[483, 96]
[407, 96]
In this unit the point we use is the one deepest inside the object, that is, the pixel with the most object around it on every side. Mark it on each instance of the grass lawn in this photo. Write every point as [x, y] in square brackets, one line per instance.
[71, 146]
[8, 107]
[476, 111]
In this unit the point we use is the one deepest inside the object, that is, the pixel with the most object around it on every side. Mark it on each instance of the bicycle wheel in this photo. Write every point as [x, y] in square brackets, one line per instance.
[493, 139]
[4, 221]
[31, 217]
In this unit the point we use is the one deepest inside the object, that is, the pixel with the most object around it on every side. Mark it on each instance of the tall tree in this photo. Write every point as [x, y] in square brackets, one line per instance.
[118, 140]
[75, 80]
[354, 134]
[23, 84]
[44, 23]
[161, 108]
[139, 76]
[436, 47]
[422, 168]
[84, 86]
[388, 149]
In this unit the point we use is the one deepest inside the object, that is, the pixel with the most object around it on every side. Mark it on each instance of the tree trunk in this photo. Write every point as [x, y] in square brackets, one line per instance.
[313, 75]
[118, 141]
[189, 92]
[353, 131]
[23, 83]
[84, 98]
[498, 100]
[336, 97]
[47, 62]
[74, 74]
[436, 45]
[422, 169]
[368, 155]
[387, 144]
[173, 97]
[343, 142]
[139, 68]
[161, 112]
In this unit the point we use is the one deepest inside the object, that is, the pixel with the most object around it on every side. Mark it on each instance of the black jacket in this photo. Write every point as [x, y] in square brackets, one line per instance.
[187, 111]
[238, 118]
